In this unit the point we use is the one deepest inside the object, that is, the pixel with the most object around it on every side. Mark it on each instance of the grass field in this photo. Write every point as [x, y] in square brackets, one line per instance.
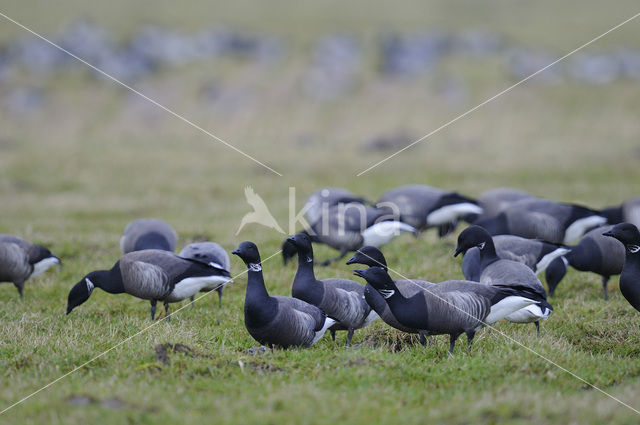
[93, 157]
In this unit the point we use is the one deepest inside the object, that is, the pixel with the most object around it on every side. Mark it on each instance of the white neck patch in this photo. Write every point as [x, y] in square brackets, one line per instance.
[309, 260]
[633, 248]
[481, 246]
[255, 267]
[387, 293]
[90, 285]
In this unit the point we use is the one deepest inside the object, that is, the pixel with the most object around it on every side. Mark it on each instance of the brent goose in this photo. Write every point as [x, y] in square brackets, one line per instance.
[277, 320]
[148, 233]
[209, 253]
[628, 234]
[150, 274]
[628, 211]
[21, 260]
[494, 201]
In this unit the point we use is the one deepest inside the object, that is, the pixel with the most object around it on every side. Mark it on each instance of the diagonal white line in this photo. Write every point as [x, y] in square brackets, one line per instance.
[147, 98]
[543, 357]
[492, 98]
[130, 337]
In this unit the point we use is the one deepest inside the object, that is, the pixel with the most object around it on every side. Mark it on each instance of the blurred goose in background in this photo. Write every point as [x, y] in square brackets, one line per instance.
[212, 254]
[494, 201]
[21, 260]
[148, 233]
[628, 234]
[347, 227]
[628, 211]
[277, 320]
[539, 256]
[341, 299]
[372, 257]
[497, 271]
[424, 206]
[452, 307]
[598, 254]
[319, 201]
[150, 274]
[543, 219]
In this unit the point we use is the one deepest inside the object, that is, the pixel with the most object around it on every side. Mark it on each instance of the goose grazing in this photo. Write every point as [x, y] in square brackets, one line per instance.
[21, 260]
[281, 321]
[212, 254]
[451, 307]
[628, 234]
[150, 274]
[347, 227]
[341, 299]
[543, 219]
[497, 271]
[424, 206]
[372, 257]
[598, 254]
[535, 254]
[628, 211]
[148, 233]
[494, 201]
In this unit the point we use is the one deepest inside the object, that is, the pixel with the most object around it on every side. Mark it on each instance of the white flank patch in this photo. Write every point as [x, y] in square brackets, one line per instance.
[384, 232]
[192, 285]
[506, 306]
[450, 213]
[531, 313]
[327, 324]
[212, 264]
[42, 265]
[579, 227]
[547, 259]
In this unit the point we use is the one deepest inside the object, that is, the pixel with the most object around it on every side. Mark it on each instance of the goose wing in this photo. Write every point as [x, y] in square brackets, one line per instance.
[514, 274]
[344, 301]
[143, 279]
[14, 264]
[456, 310]
[207, 252]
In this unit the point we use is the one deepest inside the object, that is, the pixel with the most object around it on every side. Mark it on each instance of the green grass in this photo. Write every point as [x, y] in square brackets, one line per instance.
[74, 173]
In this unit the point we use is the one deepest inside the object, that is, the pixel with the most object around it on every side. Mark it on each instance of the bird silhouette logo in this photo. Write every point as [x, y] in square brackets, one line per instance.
[260, 213]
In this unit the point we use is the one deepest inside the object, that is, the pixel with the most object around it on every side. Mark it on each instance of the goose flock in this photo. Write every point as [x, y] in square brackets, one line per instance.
[512, 238]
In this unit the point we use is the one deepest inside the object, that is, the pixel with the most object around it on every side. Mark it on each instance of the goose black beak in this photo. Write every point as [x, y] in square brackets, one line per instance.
[609, 233]
[69, 309]
[351, 260]
[458, 251]
[359, 273]
[236, 252]
[291, 239]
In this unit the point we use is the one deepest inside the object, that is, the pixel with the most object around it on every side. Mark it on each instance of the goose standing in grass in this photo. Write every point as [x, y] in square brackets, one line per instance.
[21, 260]
[628, 234]
[628, 211]
[543, 219]
[423, 206]
[148, 233]
[535, 254]
[150, 274]
[341, 299]
[276, 320]
[372, 257]
[212, 254]
[598, 254]
[451, 307]
[497, 271]
[494, 201]
[347, 227]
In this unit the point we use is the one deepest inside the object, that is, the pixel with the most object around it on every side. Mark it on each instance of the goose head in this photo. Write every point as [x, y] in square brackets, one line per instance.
[248, 252]
[378, 278]
[80, 292]
[473, 236]
[302, 242]
[369, 256]
[628, 234]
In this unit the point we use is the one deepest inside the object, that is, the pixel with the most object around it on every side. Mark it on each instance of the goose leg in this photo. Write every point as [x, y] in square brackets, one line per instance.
[343, 253]
[423, 338]
[332, 332]
[219, 291]
[166, 311]
[349, 336]
[605, 281]
[537, 323]
[452, 342]
[192, 298]
[20, 287]
[470, 335]
[153, 309]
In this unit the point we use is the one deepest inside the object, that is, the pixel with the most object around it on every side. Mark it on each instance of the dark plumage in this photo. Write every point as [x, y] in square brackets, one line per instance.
[148, 233]
[424, 206]
[371, 256]
[628, 211]
[451, 307]
[494, 201]
[150, 274]
[21, 260]
[543, 219]
[341, 299]
[319, 201]
[277, 320]
[628, 234]
[209, 253]
[496, 271]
